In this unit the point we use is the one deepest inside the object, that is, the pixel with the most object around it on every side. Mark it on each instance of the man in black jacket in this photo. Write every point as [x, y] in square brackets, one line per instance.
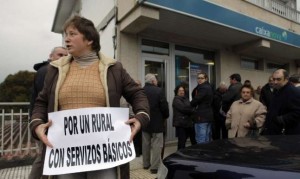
[295, 80]
[233, 92]
[38, 84]
[153, 135]
[41, 69]
[283, 115]
[267, 92]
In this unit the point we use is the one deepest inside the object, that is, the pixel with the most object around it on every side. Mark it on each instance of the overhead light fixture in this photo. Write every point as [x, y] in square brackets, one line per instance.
[211, 63]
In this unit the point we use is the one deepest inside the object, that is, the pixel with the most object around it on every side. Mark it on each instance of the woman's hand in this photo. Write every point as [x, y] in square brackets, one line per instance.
[135, 126]
[40, 131]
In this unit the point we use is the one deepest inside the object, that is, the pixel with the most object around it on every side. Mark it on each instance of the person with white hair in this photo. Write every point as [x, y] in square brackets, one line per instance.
[218, 126]
[152, 135]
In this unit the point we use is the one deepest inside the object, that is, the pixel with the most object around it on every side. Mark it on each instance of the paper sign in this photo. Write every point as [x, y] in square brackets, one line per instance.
[88, 139]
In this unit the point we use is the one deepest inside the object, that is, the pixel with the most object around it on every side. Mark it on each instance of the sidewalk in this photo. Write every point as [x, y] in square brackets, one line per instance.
[136, 168]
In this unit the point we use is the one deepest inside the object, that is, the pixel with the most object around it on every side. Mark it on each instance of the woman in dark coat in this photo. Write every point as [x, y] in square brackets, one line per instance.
[181, 117]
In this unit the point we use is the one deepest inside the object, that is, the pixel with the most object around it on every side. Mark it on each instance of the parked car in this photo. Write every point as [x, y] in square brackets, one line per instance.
[274, 157]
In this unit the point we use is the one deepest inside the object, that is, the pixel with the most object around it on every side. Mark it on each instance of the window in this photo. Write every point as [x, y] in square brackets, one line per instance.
[251, 63]
[271, 66]
[155, 47]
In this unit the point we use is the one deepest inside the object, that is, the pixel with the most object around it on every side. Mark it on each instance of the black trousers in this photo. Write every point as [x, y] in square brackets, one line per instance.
[219, 128]
[183, 133]
[137, 142]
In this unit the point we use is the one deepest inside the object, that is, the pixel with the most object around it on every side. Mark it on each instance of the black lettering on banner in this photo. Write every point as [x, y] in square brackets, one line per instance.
[115, 153]
[68, 157]
[84, 124]
[109, 152]
[120, 154]
[103, 122]
[98, 153]
[70, 125]
[104, 152]
[82, 151]
[93, 154]
[72, 156]
[65, 124]
[94, 121]
[50, 158]
[56, 158]
[129, 149]
[109, 123]
[88, 154]
[124, 149]
[77, 156]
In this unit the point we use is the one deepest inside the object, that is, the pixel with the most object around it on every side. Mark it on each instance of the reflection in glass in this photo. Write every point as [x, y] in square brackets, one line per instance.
[158, 69]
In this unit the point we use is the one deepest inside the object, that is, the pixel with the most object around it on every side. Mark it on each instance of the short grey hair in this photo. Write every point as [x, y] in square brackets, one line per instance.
[53, 50]
[222, 84]
[149, 78]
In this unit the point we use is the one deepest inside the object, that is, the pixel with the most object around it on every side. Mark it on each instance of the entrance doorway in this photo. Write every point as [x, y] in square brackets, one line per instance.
[158, 68]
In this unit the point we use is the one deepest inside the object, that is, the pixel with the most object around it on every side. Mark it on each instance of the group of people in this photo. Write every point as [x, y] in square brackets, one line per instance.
[237, 111]
[84, 77]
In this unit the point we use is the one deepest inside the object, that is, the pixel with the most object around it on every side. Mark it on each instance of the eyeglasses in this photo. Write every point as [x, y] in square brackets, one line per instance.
[201, 78]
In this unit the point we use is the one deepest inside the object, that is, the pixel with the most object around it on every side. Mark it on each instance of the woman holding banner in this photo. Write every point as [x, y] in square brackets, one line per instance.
[86, 78]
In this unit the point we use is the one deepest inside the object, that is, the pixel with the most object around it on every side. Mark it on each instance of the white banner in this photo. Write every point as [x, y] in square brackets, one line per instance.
[88, 139]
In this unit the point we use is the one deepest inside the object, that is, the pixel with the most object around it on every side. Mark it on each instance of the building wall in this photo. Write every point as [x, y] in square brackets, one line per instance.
[127, 44]
[230, 63]
[124, 7]
[128, 52]
[96, 10]
[107, 38]
[254, 11]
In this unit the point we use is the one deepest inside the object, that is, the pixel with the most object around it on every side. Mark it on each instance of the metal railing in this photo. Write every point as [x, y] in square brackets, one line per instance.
[279, 8]
[15, 137]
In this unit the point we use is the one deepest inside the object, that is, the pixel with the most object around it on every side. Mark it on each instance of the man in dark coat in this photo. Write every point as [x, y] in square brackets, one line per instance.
[267, 93]
[295, 80]
[41, 69]
[233, 92]
[219, 127]
[283, 115]
[38, 84]
[152, 135]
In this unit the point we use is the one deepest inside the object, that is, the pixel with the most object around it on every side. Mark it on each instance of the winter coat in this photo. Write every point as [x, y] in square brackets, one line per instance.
[240, 113]
[266, 95]
[159, 108]
[182, 110]
[38, 82]
[286, 106]
[116, 82]
[202, 102]
[231, 95]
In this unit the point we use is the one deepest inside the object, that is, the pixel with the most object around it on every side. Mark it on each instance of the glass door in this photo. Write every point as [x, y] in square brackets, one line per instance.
[158, 68]
[186, 73]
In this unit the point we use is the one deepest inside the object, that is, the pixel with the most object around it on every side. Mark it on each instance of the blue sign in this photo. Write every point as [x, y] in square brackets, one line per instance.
[210, 12]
